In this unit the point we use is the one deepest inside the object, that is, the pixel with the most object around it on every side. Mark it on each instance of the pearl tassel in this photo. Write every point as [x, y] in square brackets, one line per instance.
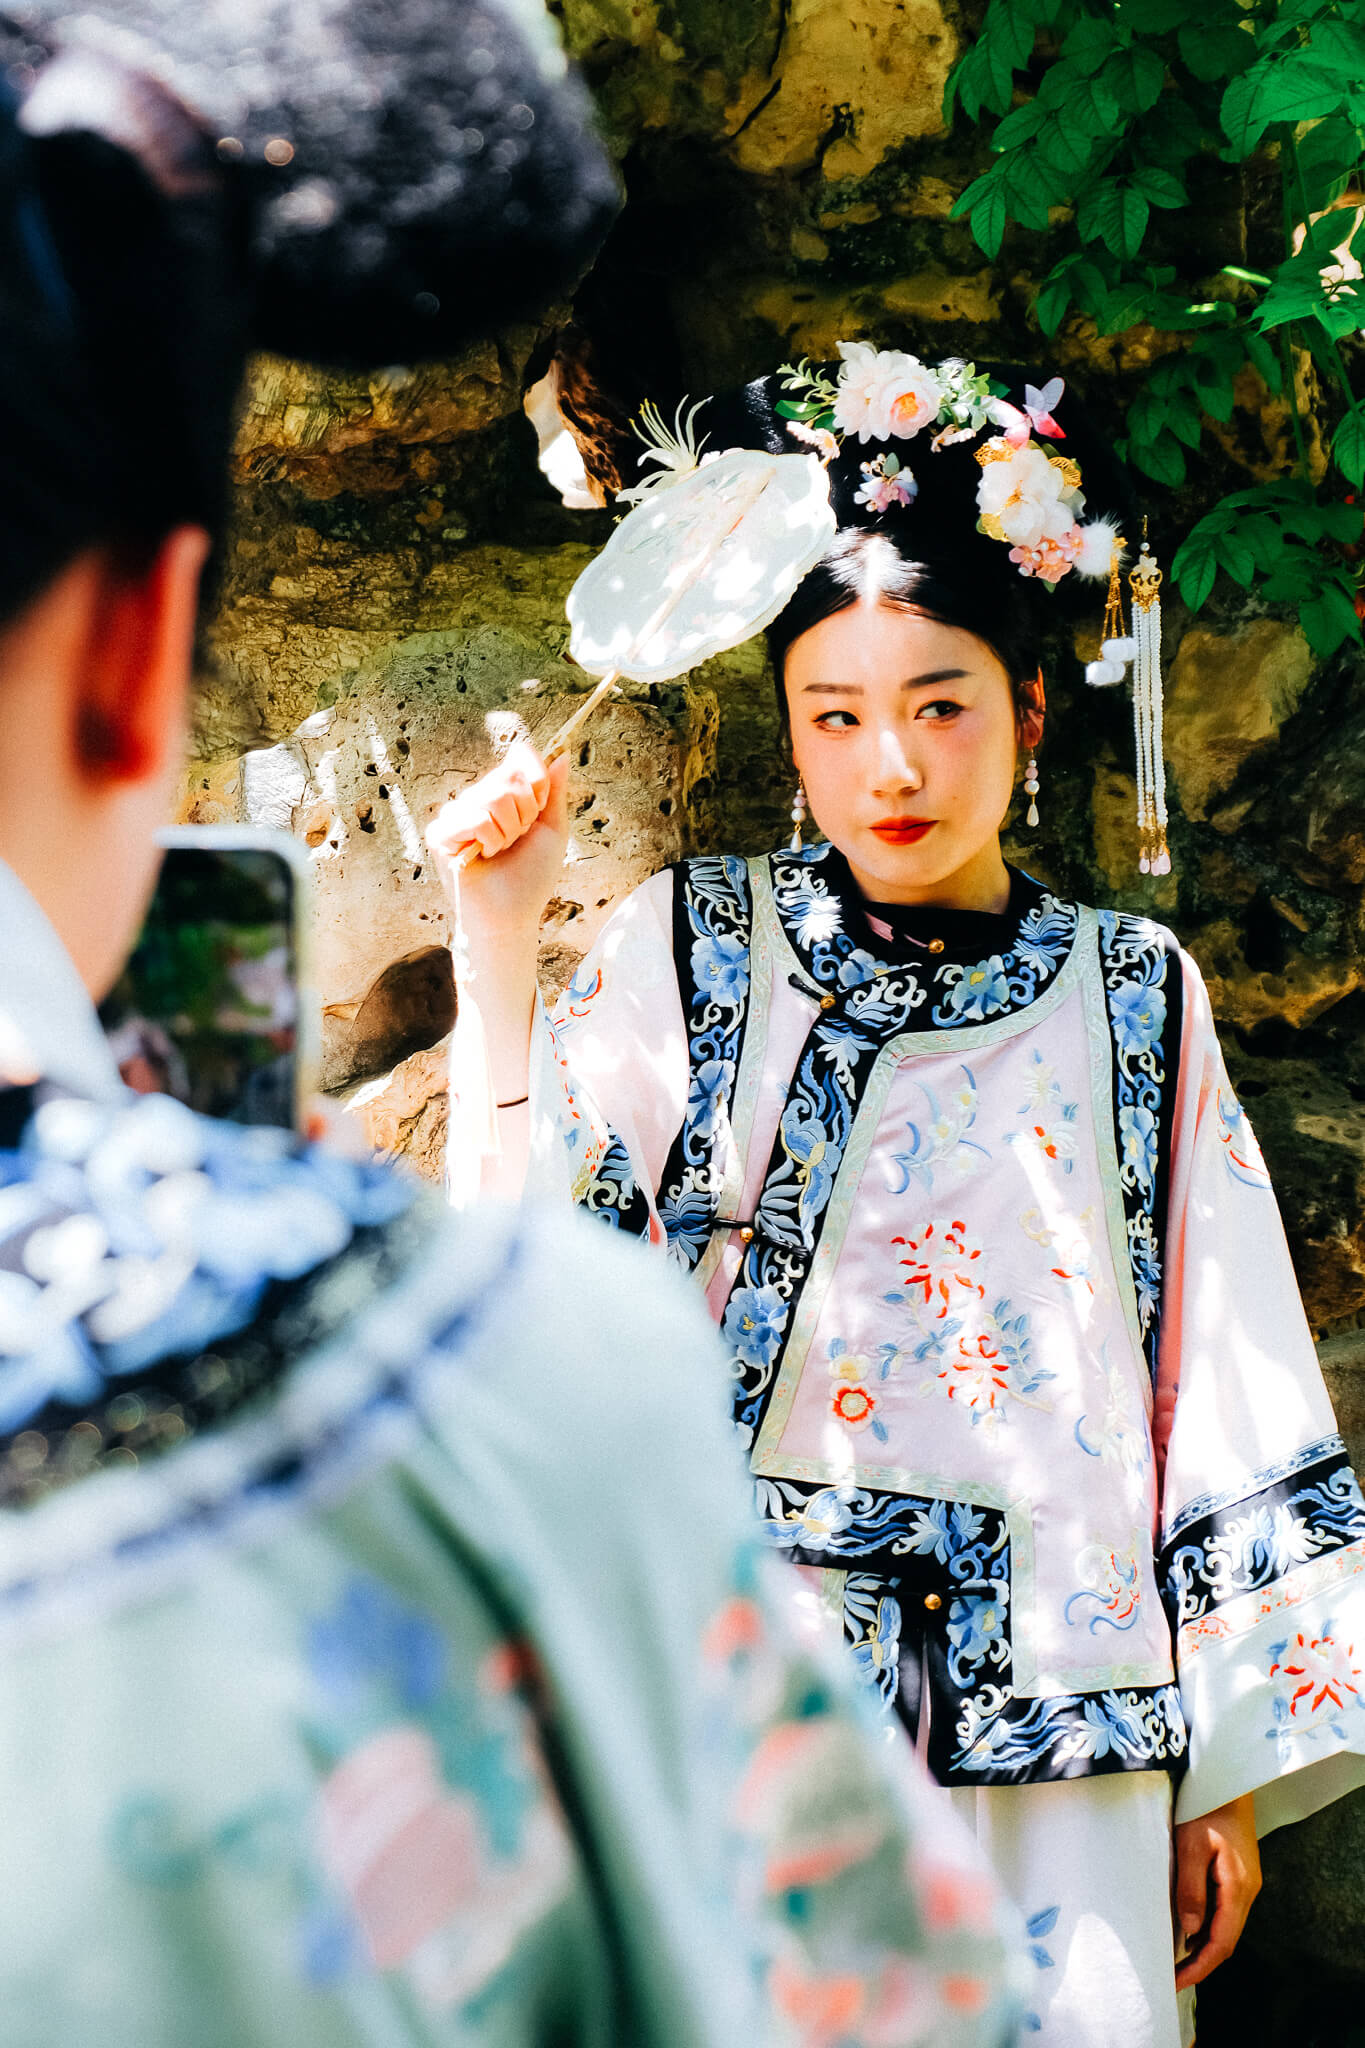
[798, 816]
[1145, 584]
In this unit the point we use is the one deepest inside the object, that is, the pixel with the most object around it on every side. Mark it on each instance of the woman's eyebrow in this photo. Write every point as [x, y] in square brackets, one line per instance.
[935, 675]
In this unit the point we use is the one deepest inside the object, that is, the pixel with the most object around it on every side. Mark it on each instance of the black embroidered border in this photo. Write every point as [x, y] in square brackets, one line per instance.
[981, 1732]
[1247, 1544]
[689, 1190]
[1136, 954]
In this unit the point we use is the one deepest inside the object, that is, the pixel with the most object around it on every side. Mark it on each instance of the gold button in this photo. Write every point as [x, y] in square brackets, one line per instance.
[935, 945]
[933, 1602]
[826, 1002]
[746, 1236]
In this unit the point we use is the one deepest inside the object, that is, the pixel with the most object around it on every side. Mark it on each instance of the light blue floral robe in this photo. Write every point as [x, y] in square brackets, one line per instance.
[363, 1684]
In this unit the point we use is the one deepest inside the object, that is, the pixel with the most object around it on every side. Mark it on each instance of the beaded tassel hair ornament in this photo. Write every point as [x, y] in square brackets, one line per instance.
[1141, 647]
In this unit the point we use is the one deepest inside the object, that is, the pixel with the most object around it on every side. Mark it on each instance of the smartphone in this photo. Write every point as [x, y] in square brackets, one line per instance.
[213, 1005]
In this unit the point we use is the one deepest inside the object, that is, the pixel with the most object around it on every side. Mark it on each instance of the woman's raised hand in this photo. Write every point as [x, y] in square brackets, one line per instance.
[516, 817]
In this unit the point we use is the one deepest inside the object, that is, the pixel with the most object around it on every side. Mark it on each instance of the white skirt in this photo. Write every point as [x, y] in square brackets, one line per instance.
[1088, 1863]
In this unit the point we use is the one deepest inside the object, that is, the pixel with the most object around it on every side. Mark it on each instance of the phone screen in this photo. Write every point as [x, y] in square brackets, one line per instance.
[207, 1008]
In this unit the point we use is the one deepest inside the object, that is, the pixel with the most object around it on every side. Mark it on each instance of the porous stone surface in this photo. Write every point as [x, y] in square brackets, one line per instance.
[358, 780]
[398, 569]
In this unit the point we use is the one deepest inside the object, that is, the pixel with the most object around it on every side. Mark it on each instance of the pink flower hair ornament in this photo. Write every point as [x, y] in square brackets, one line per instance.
[1028, 498]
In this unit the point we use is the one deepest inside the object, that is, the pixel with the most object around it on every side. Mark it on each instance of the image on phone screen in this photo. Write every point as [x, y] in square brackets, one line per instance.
[207, 1008]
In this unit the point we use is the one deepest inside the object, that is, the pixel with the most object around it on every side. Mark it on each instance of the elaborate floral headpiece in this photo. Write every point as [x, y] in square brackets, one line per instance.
[1028, 498]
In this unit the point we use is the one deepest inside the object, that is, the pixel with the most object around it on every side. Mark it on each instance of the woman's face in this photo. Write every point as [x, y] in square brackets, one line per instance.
[905, 735]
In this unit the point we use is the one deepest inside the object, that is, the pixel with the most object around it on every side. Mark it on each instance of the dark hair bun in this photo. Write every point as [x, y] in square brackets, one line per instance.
[357, 182]
[419, 171]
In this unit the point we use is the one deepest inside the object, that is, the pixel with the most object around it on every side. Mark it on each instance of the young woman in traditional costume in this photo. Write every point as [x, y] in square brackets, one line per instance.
[1018, 1356]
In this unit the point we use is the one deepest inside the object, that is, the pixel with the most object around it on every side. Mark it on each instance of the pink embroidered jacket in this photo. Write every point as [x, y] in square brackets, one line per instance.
[970, 1208]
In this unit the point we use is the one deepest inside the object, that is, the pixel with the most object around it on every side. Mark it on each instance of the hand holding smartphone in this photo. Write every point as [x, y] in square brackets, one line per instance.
[212, 1005]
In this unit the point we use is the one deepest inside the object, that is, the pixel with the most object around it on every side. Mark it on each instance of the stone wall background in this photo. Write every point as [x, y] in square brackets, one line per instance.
[393, 592]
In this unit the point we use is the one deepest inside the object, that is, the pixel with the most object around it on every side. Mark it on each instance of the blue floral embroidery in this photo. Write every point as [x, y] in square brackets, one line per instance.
[707, 1094]
[1241, 1547]
[1143, 996]
[872, 1623]
[979, 1734]
[1138, 1012]
[1124, 1730]
[1321, 1681]
[976, 1631]
[720, 965]
[754, 1321]
[1045, 937]
[974, 993]
[1137, 1129]
[942, 1137]
[711, 919]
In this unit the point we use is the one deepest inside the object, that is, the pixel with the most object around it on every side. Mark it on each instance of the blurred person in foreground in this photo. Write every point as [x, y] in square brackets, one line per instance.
[356, 1688]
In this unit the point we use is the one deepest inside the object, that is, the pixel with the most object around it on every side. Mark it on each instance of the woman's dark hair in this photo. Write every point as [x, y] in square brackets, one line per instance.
[863, 563]
[434, 178]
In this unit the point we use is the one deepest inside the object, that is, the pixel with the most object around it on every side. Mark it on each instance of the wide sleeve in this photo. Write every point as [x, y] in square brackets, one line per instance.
[1262, 1557]
[608, 1075]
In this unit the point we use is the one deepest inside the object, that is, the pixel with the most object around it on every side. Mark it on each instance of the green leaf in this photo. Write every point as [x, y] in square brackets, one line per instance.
[1054, 297]
[1066, 146]
[1185, 425]
[1162, 188]
[1339, 46]
[1195, 568]
[1135, 77]
[1092, 108]
[1237, 558]
[1348, 447]
[1090, 44]
[1158, 17]
[1288, 88]
[1214, 50]
[1326, 154]
[1030, 187]
[1113, 213]
[1123, 308]
[1296, 293]
[1162, 459]
[1265, 360]
[1010, 32]
[1329, 620]
[1019, 126]
[988, 221]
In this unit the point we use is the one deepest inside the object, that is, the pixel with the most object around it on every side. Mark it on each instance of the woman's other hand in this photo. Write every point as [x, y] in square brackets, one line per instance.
[1217, 1877]
[517, 816]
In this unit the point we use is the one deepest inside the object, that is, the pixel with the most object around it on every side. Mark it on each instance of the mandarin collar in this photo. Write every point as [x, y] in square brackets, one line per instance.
[925, 934]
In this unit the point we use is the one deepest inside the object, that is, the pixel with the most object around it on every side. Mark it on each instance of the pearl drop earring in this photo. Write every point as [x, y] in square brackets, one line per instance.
[798, 815]
[1031, 790]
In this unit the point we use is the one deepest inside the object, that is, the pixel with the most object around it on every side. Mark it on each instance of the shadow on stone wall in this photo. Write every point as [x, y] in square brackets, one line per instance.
[395, 583]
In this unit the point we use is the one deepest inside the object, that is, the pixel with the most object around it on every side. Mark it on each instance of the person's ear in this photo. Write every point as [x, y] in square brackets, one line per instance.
[1031, 712]
[129, 702]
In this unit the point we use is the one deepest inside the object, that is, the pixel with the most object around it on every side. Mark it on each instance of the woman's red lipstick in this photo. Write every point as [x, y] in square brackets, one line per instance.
[902, 831]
